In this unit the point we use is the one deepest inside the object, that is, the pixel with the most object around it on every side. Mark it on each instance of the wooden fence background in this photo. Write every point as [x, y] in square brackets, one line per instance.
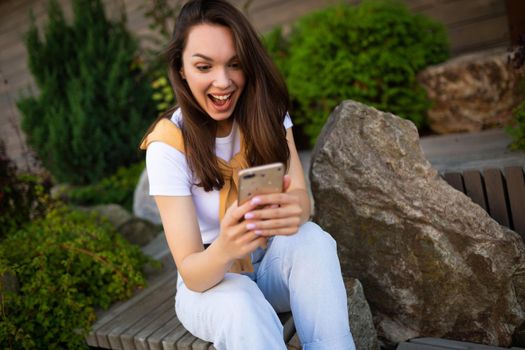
[472, 25]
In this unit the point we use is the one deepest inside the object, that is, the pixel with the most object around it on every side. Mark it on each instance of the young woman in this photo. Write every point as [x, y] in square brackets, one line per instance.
[238, 265]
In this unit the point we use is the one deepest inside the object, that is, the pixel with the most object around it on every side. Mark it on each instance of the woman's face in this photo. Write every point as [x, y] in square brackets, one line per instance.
[212, 70]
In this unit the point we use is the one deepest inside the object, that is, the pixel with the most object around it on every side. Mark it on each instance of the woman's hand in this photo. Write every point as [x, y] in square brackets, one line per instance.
[279, 213]
[236, 237]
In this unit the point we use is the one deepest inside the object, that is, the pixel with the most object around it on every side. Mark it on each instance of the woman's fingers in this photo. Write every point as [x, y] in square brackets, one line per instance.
[273, 212]
[287, 181]
[292, 221]
[276, 214]
[277, 231]
[274, 198]
[234, 213]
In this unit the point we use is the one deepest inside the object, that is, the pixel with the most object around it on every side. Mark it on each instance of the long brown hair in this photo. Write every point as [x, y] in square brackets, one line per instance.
[260, 109]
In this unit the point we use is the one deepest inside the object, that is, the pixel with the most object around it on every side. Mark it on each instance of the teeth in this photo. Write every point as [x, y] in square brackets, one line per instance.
[222, 98]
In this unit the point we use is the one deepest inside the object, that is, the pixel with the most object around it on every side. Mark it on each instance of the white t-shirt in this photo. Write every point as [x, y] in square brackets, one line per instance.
[169, 175]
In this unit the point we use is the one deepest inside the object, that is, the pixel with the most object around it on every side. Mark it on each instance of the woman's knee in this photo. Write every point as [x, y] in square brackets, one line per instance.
[316, 234]
[235, 297]
[233, 307]
[311, 240]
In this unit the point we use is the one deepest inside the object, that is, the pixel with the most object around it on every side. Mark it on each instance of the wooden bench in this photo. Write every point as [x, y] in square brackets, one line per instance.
[445, 344]
[501, 192]
[148, 321]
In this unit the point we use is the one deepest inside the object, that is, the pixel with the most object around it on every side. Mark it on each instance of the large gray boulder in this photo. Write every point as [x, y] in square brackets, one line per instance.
[144, 205]
[432, 263]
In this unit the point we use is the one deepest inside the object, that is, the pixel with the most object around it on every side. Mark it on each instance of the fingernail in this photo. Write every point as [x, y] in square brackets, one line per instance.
[250, 226]
[257, 232]
[256, 200]
[249, 216]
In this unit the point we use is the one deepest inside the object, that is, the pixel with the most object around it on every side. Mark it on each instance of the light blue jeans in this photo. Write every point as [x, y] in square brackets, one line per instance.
[300, 273]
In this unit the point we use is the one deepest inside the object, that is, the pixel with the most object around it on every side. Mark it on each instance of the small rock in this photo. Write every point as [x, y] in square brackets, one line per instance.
[60, 191]
[115, 213]
[139, 231]
[9, 283]
[133, 229]
[361, 322]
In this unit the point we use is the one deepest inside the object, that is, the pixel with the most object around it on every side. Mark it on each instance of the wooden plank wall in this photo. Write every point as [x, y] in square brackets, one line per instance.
[472, 25]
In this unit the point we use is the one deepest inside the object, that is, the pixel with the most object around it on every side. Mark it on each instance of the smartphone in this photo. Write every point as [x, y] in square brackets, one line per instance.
[262, 179]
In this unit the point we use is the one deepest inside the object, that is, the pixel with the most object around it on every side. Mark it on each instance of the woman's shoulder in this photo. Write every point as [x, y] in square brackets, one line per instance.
[287, 121]
[176, 117]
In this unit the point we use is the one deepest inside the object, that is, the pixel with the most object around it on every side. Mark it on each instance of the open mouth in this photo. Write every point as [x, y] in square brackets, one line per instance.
[220, 100]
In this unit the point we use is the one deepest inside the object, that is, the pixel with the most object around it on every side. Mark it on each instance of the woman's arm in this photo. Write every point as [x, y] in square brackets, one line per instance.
[202, 268]
[297, 186]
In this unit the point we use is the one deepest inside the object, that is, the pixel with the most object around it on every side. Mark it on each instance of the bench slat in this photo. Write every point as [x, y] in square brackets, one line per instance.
[474, 187]
[128, 336]
[111, 332]
[440, 343]
[169, 341]
[413, 346]
[97, 336]
[185, 343]
[155, 339]
[288, 325]
[516, 191]
[455, 180]
[200, 344]
[142, 338]
[294, 343]
[497, 203]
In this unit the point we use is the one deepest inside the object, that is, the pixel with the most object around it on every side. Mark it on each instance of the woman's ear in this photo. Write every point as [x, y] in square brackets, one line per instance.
[181, 72]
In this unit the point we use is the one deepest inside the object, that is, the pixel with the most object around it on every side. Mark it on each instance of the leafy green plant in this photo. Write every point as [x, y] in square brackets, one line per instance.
[517, 129]
[117, 188]
[369, 52]
[23, 197]
[67, 264]
[95, 101]
[163, 93]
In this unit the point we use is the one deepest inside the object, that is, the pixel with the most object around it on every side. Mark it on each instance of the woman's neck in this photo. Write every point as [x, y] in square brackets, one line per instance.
[224, 127]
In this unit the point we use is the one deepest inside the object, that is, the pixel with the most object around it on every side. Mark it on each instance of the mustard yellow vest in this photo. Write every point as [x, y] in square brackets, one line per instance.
[166, 131]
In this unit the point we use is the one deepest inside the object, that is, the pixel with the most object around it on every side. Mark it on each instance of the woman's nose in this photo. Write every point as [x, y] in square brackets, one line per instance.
[222, 79]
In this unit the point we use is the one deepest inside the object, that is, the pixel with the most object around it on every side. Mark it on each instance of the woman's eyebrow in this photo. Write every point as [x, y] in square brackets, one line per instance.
[211, 59]
[202, 56]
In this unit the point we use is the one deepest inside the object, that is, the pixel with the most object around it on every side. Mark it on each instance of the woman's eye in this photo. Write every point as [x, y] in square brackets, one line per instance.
[203, 68]
[236, 65]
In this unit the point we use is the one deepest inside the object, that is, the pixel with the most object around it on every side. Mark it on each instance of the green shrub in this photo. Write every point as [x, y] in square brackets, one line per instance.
[67, 264]
[517, 129]
[23, 197]
[370, 53]
[278, 47]
[118, 188]
[95, 102]
[161, 14]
